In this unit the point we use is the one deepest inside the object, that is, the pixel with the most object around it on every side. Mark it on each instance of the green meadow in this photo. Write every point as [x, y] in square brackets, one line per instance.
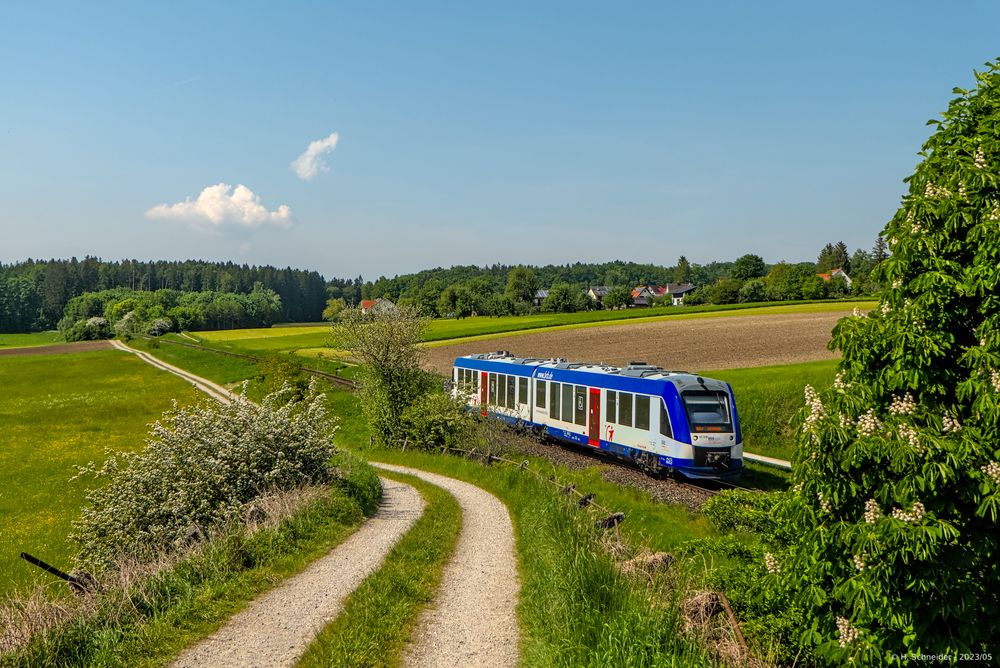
[767, 398]
[28, 340]
[59, 411]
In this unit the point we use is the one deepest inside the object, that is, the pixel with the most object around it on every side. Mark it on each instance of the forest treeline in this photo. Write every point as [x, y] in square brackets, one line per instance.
[34, 293]
[500, 289]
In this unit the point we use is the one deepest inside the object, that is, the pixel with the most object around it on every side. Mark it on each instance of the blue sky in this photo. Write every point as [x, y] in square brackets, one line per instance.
[468, 133]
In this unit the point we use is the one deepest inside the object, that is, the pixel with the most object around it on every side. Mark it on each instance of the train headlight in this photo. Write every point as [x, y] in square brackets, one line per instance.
[695, 437]
[730, 437]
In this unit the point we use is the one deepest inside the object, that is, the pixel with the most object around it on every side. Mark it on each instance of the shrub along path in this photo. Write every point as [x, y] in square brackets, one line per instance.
[472, 621]
[276, 629]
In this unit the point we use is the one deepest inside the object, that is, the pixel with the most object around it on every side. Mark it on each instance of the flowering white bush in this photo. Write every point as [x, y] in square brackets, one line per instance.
[201, 464]
[896, 491]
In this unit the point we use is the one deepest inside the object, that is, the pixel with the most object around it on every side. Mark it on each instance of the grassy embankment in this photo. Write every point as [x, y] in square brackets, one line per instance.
[59, 411]
[162, 614]
[30, 340]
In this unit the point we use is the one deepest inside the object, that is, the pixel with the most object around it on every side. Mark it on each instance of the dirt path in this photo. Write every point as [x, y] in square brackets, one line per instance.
[56, 349]
[690, 345]
[275, 629]
[213, 390]
[472, 621]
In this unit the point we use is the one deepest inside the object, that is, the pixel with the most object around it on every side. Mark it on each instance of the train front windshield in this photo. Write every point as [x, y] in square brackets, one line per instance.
[708, 411]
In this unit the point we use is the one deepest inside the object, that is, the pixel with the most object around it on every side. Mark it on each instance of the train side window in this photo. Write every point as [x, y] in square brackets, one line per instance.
[492, 399]
[625, 409]
[665, 421]
[641, 412]
[567, 402]
[580, 394]
[475, 380]
[502, 390]
[522, 390]
[554, 401]
[611, 407]
[539, 394]
[511, 391]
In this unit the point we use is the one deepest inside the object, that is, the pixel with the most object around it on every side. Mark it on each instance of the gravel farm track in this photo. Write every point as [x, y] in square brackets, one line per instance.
[700, 344]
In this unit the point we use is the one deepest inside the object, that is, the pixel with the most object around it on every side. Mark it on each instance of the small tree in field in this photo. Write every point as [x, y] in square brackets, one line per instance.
[897, 481]
[385, 342]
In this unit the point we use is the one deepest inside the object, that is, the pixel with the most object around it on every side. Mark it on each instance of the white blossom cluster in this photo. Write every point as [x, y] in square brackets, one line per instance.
[949, 423]
[904, 405]
[858, 313]
[915, 514]
[993, 471]
[961, 190]
[859, 561]
[824, 503]
[868, 424]
[839, 383]
[897, 284]
[885, 308]
[980, 159]
[995, 379]
[916, 228]
[797, 488]
[931, 190]
[909, 434]
[771, 563]
[845, 421]
[872, 511]
[816, 410]
[848, 633]
[994, 214]
[200, 466]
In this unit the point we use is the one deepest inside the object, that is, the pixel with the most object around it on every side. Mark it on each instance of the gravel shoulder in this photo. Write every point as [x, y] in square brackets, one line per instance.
[688, 344]
[473, 619]
[276, 628]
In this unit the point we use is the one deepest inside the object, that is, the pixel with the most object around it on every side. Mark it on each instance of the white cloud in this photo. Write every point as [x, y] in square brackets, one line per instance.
[222, 205]
[310, 163]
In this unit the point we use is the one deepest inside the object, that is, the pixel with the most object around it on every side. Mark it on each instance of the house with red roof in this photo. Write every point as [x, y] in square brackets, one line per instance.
[380, 305]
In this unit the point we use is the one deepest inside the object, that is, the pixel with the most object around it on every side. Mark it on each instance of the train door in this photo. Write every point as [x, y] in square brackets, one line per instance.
[484, 385]
[594, 421]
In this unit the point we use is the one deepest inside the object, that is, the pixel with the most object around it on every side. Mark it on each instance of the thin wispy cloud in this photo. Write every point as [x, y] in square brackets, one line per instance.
[221, 206]
[183, 82]
[310, 163]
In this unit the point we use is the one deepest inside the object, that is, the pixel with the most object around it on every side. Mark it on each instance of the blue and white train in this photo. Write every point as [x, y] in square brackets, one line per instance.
[661, 420]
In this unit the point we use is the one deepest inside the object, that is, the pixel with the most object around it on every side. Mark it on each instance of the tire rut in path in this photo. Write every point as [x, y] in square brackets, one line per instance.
[276, 628]
[472, 620]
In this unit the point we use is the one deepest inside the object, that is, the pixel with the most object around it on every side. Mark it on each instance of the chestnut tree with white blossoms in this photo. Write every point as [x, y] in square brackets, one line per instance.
[897, 483]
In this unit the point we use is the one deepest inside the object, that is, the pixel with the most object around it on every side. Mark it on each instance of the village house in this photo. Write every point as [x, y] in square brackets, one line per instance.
[380, 305]
[833, 273]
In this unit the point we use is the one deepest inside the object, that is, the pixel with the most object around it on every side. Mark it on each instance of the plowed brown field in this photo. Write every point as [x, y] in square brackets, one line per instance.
[694, 345]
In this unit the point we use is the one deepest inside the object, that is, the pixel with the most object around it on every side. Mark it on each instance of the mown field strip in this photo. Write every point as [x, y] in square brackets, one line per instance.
[275, 629]
[473, 620]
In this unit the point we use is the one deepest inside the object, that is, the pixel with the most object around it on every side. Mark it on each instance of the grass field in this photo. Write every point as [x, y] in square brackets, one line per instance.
[66, 410]
[312, 339]
[767, 397]
[26, 340]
